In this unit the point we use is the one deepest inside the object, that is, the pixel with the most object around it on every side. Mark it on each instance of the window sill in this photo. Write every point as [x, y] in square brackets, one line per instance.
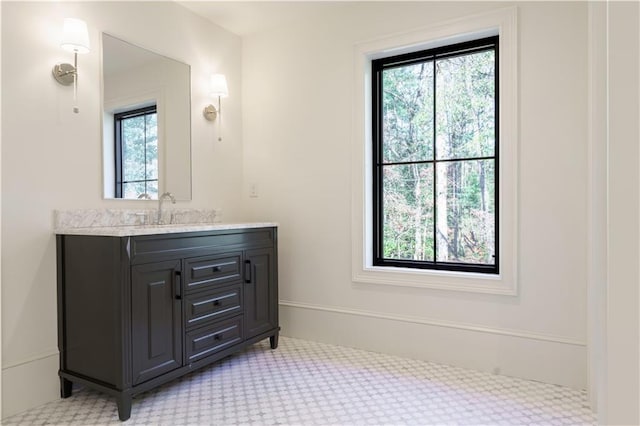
[441, 280]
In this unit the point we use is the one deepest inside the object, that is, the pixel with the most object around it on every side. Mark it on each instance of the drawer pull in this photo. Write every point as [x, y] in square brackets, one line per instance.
[177, 285]
[217, 337]
[247, 271]
[216, 302]
[216, 269]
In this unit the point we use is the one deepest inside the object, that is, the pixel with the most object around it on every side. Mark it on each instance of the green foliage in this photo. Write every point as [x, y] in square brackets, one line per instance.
[140, 155]
[459, 192]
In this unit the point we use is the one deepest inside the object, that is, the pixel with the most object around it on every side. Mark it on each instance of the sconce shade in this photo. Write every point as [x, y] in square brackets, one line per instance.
[75, 37]
[219, 86]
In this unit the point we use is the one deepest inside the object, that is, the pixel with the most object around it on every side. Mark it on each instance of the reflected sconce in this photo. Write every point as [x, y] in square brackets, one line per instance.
[75, 39]
[218, 87]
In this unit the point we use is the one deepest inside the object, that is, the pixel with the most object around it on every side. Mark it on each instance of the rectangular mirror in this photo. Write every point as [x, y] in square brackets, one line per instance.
[146, 123]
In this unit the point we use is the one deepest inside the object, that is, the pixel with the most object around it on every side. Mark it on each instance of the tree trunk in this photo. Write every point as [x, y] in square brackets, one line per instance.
[455, 189]
[418, 250]
[489, 222]
[442, 227]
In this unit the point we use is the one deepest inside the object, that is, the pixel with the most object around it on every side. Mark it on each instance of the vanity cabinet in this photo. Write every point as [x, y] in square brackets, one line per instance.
[135, 312]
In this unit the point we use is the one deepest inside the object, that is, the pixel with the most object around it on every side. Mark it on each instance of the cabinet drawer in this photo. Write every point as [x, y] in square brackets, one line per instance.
[210, 305]
[216, 337]
[206, 272]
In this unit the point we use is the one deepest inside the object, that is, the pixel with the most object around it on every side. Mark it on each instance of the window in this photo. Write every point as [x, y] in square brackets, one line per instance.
[136, 153]
[406, 272]
[435, 158]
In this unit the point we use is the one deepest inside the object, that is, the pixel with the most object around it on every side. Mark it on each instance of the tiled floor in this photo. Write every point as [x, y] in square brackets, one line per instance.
[304, 383]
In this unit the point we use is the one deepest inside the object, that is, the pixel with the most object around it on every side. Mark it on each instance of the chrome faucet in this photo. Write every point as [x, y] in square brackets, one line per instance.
[160, 200]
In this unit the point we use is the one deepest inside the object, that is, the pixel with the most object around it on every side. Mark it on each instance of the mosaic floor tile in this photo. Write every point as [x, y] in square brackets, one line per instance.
[309, 383]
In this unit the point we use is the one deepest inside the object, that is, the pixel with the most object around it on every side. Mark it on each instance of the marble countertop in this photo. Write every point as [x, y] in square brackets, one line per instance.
[128, 231]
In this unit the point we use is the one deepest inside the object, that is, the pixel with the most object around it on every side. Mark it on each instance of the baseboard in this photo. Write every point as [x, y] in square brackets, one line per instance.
[549, 359]
[29, 384]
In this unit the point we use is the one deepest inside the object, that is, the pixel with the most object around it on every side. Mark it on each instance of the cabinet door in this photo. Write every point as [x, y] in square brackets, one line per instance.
[260, 292]
[156, 315]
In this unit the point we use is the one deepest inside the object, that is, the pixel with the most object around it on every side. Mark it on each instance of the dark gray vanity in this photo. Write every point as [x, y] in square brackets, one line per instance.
[138, 308]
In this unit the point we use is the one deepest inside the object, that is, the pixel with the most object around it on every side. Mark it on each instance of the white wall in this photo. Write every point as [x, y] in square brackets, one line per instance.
[51, 158]
[0, 208]
[621, 390]
[597, 260]
[297, 118]
[614, 296]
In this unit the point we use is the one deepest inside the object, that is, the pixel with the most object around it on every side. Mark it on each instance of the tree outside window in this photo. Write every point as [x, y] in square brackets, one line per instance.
[136, 145]
[435, 158]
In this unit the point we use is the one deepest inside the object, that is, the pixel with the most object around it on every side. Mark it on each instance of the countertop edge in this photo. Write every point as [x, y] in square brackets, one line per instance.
[133, 230]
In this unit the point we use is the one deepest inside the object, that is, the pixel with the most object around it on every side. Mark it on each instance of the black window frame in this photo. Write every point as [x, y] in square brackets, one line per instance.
[117, 121]
[377, 68]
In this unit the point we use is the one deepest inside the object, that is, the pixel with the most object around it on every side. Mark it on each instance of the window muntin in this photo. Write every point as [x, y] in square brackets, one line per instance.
[435, 148]
[136, 153]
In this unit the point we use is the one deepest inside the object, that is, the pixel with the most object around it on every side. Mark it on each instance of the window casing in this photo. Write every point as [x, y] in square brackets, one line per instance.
[136, 153]
[435, 169]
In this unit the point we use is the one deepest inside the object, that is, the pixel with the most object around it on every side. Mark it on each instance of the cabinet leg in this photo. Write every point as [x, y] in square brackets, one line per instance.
[65, 387]
[124, 406]
[273, 340]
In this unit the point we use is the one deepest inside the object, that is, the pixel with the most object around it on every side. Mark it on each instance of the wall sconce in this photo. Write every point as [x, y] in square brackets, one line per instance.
[218, 88]
[75, 39]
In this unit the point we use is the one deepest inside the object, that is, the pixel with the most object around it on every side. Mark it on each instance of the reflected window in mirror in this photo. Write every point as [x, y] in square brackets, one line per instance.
[136, 153]
[132, 78]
